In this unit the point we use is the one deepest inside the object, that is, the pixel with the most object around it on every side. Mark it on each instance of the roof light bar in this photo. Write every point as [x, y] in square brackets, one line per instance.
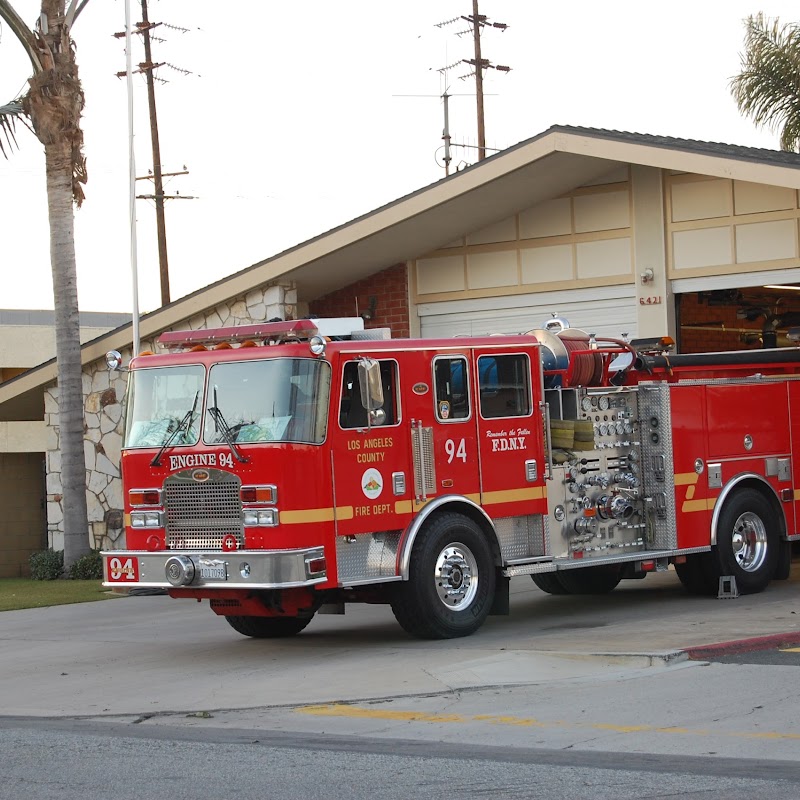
[300, 328]
[251, 335]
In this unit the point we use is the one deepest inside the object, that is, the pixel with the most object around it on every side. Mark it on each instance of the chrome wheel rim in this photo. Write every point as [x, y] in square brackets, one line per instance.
[749, 542]
[456, 576]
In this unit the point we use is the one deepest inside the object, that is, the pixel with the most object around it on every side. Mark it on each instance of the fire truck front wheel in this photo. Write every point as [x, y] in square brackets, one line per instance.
[747, 542]
[451, 580]
[268, 627]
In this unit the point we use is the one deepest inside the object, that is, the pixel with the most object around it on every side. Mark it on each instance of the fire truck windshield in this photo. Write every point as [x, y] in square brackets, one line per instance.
[159, 400]
[273, 400]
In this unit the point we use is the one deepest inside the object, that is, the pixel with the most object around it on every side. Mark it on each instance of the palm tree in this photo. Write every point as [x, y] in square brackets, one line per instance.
[53, 104]
[768, 87]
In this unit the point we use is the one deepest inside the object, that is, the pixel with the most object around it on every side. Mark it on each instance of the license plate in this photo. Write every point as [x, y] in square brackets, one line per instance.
[121, 569]
[213, 572]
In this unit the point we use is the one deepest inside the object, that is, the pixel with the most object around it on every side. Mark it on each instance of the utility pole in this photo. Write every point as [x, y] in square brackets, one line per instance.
[446, 133]
[158, 185]
[148, 68]
[477, 21]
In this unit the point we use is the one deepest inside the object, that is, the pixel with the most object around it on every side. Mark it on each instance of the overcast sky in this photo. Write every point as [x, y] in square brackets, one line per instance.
[296, 117]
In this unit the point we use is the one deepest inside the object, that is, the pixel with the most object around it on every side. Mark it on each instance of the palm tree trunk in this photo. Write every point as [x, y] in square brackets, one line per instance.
[59, 173]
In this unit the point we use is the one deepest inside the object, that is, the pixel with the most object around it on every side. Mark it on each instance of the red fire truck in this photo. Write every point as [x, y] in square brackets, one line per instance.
[288, 468]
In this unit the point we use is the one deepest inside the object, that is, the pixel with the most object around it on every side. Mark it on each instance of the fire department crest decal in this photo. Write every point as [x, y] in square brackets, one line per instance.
[372, 483]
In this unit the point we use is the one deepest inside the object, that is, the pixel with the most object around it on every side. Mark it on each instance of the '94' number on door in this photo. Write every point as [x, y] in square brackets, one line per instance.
[455, 450]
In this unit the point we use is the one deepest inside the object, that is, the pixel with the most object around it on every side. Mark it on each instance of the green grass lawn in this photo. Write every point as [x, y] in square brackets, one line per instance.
[16, 593]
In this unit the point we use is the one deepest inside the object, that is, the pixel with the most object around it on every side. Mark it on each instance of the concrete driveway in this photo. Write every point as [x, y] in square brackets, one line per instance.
[151, 655]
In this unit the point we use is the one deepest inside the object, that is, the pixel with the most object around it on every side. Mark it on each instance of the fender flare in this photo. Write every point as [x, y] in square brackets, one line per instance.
[730, 486]
[410, 534]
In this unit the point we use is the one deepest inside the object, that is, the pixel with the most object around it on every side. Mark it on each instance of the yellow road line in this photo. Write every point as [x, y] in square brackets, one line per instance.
[357, 712]
[790, 649]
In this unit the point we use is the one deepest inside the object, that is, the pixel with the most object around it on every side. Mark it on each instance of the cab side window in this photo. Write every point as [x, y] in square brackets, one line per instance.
[351, 413]
[504, 384]
[451, 388]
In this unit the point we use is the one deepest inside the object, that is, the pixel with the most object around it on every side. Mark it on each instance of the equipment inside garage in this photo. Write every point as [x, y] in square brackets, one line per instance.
[754, 317]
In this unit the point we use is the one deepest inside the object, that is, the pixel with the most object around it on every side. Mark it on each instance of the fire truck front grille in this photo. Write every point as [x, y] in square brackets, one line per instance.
[202, 506]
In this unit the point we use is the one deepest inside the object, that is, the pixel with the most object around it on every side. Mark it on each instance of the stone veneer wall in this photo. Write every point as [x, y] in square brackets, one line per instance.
[104, 394]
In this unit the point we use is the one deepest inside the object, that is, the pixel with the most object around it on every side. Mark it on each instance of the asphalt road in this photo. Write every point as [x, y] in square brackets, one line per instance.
[79, 761]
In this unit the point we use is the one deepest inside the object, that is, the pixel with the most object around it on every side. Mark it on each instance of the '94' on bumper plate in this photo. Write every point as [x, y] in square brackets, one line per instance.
[212, 570]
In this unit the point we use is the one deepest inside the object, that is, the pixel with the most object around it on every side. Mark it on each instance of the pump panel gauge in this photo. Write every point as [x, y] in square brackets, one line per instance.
[603, 403]
[586, 403]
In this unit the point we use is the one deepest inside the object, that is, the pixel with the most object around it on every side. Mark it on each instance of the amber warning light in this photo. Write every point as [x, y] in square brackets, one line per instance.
[144, 497]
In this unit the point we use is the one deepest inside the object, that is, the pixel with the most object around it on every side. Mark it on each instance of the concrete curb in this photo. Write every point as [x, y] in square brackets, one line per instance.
[704, 651]
[661, 657]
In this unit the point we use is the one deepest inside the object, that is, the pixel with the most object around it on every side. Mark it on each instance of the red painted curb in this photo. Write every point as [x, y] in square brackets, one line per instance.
[703, 651]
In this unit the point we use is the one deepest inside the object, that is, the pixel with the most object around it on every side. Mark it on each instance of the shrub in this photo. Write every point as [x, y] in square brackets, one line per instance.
[87, 568]
[47, 565]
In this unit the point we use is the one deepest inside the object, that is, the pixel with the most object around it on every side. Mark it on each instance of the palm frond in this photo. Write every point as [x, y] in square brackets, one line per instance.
[768, 87]
[9, 114]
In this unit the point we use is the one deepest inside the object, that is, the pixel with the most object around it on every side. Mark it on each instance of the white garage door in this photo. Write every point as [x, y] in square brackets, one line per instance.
[605, 311]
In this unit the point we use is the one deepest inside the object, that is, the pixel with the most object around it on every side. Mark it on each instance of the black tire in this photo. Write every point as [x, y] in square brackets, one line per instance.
[591, 580]
[268, 627]
[747, 542]
[783, 566]
[451, 582]
[549, 582]
[693, 574]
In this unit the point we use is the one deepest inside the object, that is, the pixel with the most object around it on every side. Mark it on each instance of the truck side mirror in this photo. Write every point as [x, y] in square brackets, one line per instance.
[369, 382]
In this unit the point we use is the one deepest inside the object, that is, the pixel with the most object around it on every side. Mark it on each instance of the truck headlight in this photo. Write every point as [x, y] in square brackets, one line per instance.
[147, 519]
[265, 517]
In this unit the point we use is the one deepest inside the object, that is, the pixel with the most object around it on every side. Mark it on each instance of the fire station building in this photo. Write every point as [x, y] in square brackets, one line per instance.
[616, 232]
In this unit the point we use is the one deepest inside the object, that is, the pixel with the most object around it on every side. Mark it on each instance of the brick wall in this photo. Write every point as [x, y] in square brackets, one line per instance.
[389, 288]
[23, 527]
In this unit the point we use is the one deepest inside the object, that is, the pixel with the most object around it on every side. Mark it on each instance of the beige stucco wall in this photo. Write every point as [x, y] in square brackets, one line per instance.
[25, 346]
[582, 239]
[22, 437]
[718, 226]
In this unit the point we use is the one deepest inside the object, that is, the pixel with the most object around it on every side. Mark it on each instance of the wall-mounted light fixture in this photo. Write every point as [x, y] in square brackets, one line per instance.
[369, 312]
[648, 276]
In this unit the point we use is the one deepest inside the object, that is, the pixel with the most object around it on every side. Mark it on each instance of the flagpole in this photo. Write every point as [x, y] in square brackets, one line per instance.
[132, 178]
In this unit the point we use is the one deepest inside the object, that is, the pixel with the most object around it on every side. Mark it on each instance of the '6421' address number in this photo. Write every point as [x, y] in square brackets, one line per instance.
[650, 301]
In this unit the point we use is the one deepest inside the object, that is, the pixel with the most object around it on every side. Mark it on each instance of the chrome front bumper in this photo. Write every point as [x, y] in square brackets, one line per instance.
[241, 569]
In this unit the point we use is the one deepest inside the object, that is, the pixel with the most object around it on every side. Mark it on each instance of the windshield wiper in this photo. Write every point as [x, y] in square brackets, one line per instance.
[186, 422]
[221, 425]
